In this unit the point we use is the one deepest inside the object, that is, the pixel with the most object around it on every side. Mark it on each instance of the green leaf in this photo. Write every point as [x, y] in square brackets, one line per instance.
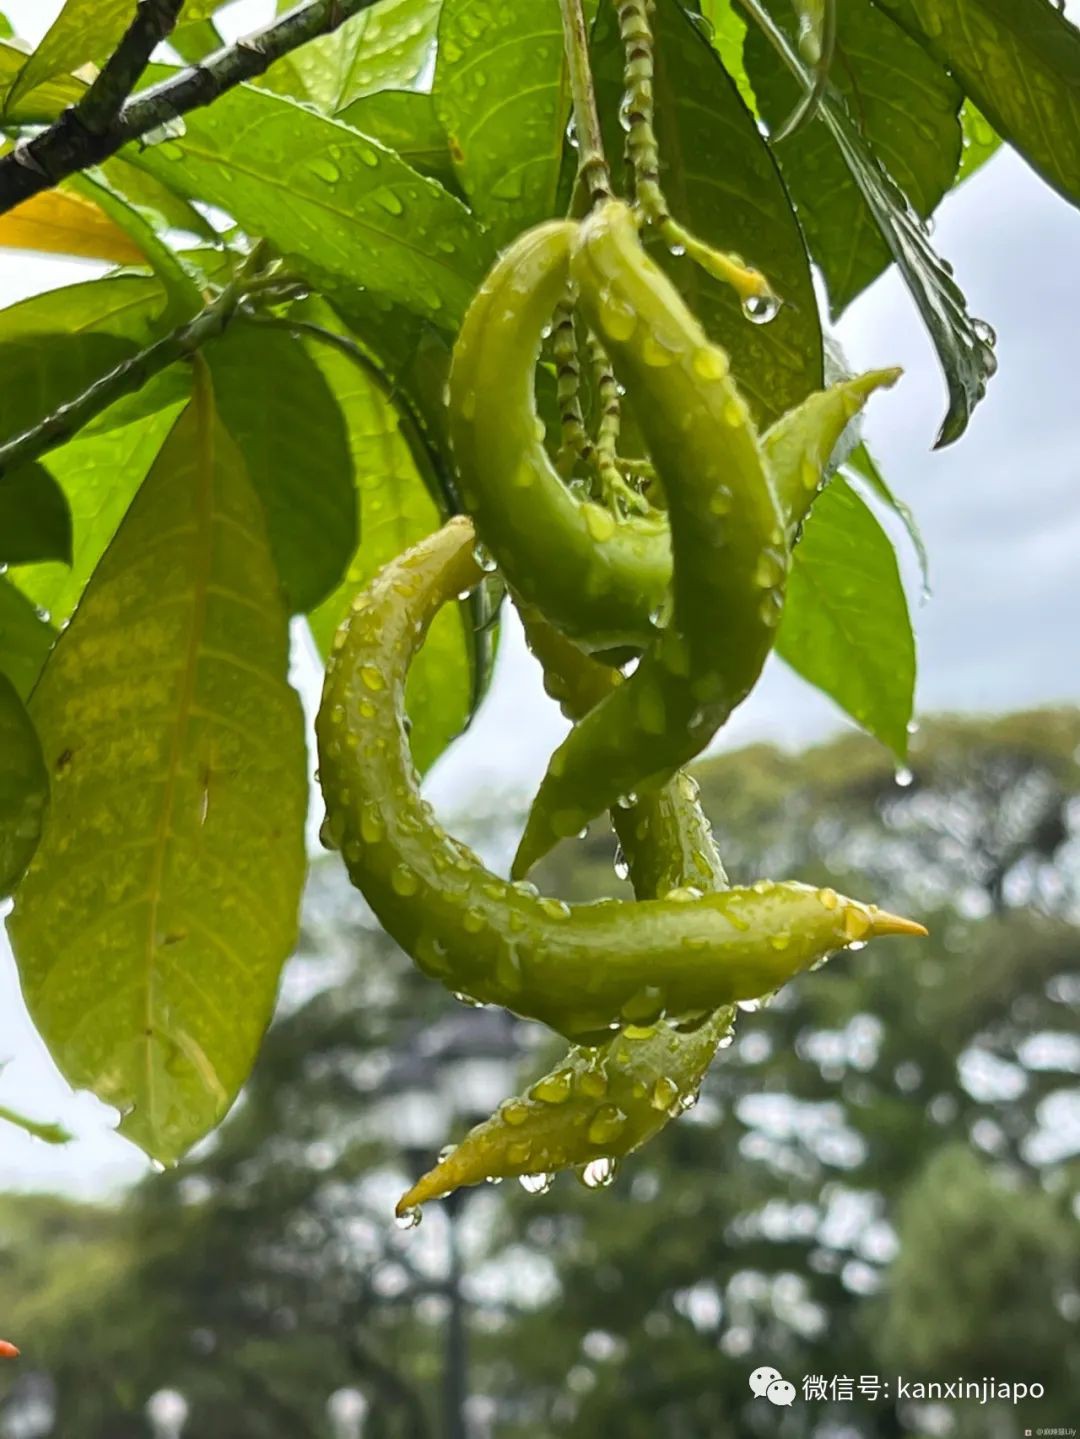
[178, 279]
[153, 921]
[722, 183]
[396, 509]
[502, 94]
[1019, 60]
[963, 344]
[980, 141]
[48, 1133]
[85, 30]
[846, 626]
[727, 33]
[386, 47]
[906, 110]
[35, 523]
[165, 209]
[405, 121]
[99, 474]
[862, 464]
[48, 101]
[54, 346]
[24, 787]
[278, 408]
[25, 638]
[339, 204]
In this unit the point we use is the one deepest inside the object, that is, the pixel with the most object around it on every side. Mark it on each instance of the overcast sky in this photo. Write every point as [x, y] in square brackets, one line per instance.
[1000, 511]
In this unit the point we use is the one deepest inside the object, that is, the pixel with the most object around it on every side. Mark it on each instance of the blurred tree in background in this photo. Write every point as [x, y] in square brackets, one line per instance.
[879, 1178]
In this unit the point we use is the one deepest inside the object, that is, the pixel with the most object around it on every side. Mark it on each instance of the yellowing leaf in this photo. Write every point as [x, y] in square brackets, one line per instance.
[152, 924]
[60, 223]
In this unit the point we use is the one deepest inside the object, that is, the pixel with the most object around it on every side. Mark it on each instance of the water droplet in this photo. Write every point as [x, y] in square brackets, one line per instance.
[408, 1218]
[622, 866]
[617, 319]
[514, 1112]
[683, 894]
[903, 776]
[606, 1124]
[828, 898]
[710, 363]
[656, 354]
[599, 1173]
[556, 908]
[389, 201]
[665, 1095]
[735, 412]
[404, 881]
[770, 569]
[984, 333]
[554, 1088]
[599, 522]
[535, 1183]
[372, 677]
[325, 169]
[372, 824]
[856, 923]
[593, 1082]
[761, 309]
[473, 921]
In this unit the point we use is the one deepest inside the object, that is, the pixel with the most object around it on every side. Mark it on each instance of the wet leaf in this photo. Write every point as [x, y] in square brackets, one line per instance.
[980, 141]
[152, 923]
[865, 469]
[963, 348]
[54, 346]
[341, 206]
[278, 408]
[84, 30]
[60, 222]
[501, 92]
[99, 475]
[876, 71]
[1019, 60]
[389, 46]
[24, 786]
[846, 626]
[405, 121]
[722, 182]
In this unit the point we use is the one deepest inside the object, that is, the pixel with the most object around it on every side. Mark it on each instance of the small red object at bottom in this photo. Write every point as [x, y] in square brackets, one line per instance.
[8, 1351]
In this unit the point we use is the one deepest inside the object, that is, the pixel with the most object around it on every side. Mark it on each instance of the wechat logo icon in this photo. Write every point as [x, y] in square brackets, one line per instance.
[768, 1383]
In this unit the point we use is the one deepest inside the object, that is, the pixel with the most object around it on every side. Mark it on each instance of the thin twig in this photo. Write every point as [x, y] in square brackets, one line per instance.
[67, 146]
[592, 162]
[154, 21]
[131, 374]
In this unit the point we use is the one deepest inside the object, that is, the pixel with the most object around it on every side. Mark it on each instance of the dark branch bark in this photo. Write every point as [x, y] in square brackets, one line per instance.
[99, 107]
[68, 146]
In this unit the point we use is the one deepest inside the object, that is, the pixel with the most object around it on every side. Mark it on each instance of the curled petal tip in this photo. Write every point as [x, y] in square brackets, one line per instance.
[885, 923]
